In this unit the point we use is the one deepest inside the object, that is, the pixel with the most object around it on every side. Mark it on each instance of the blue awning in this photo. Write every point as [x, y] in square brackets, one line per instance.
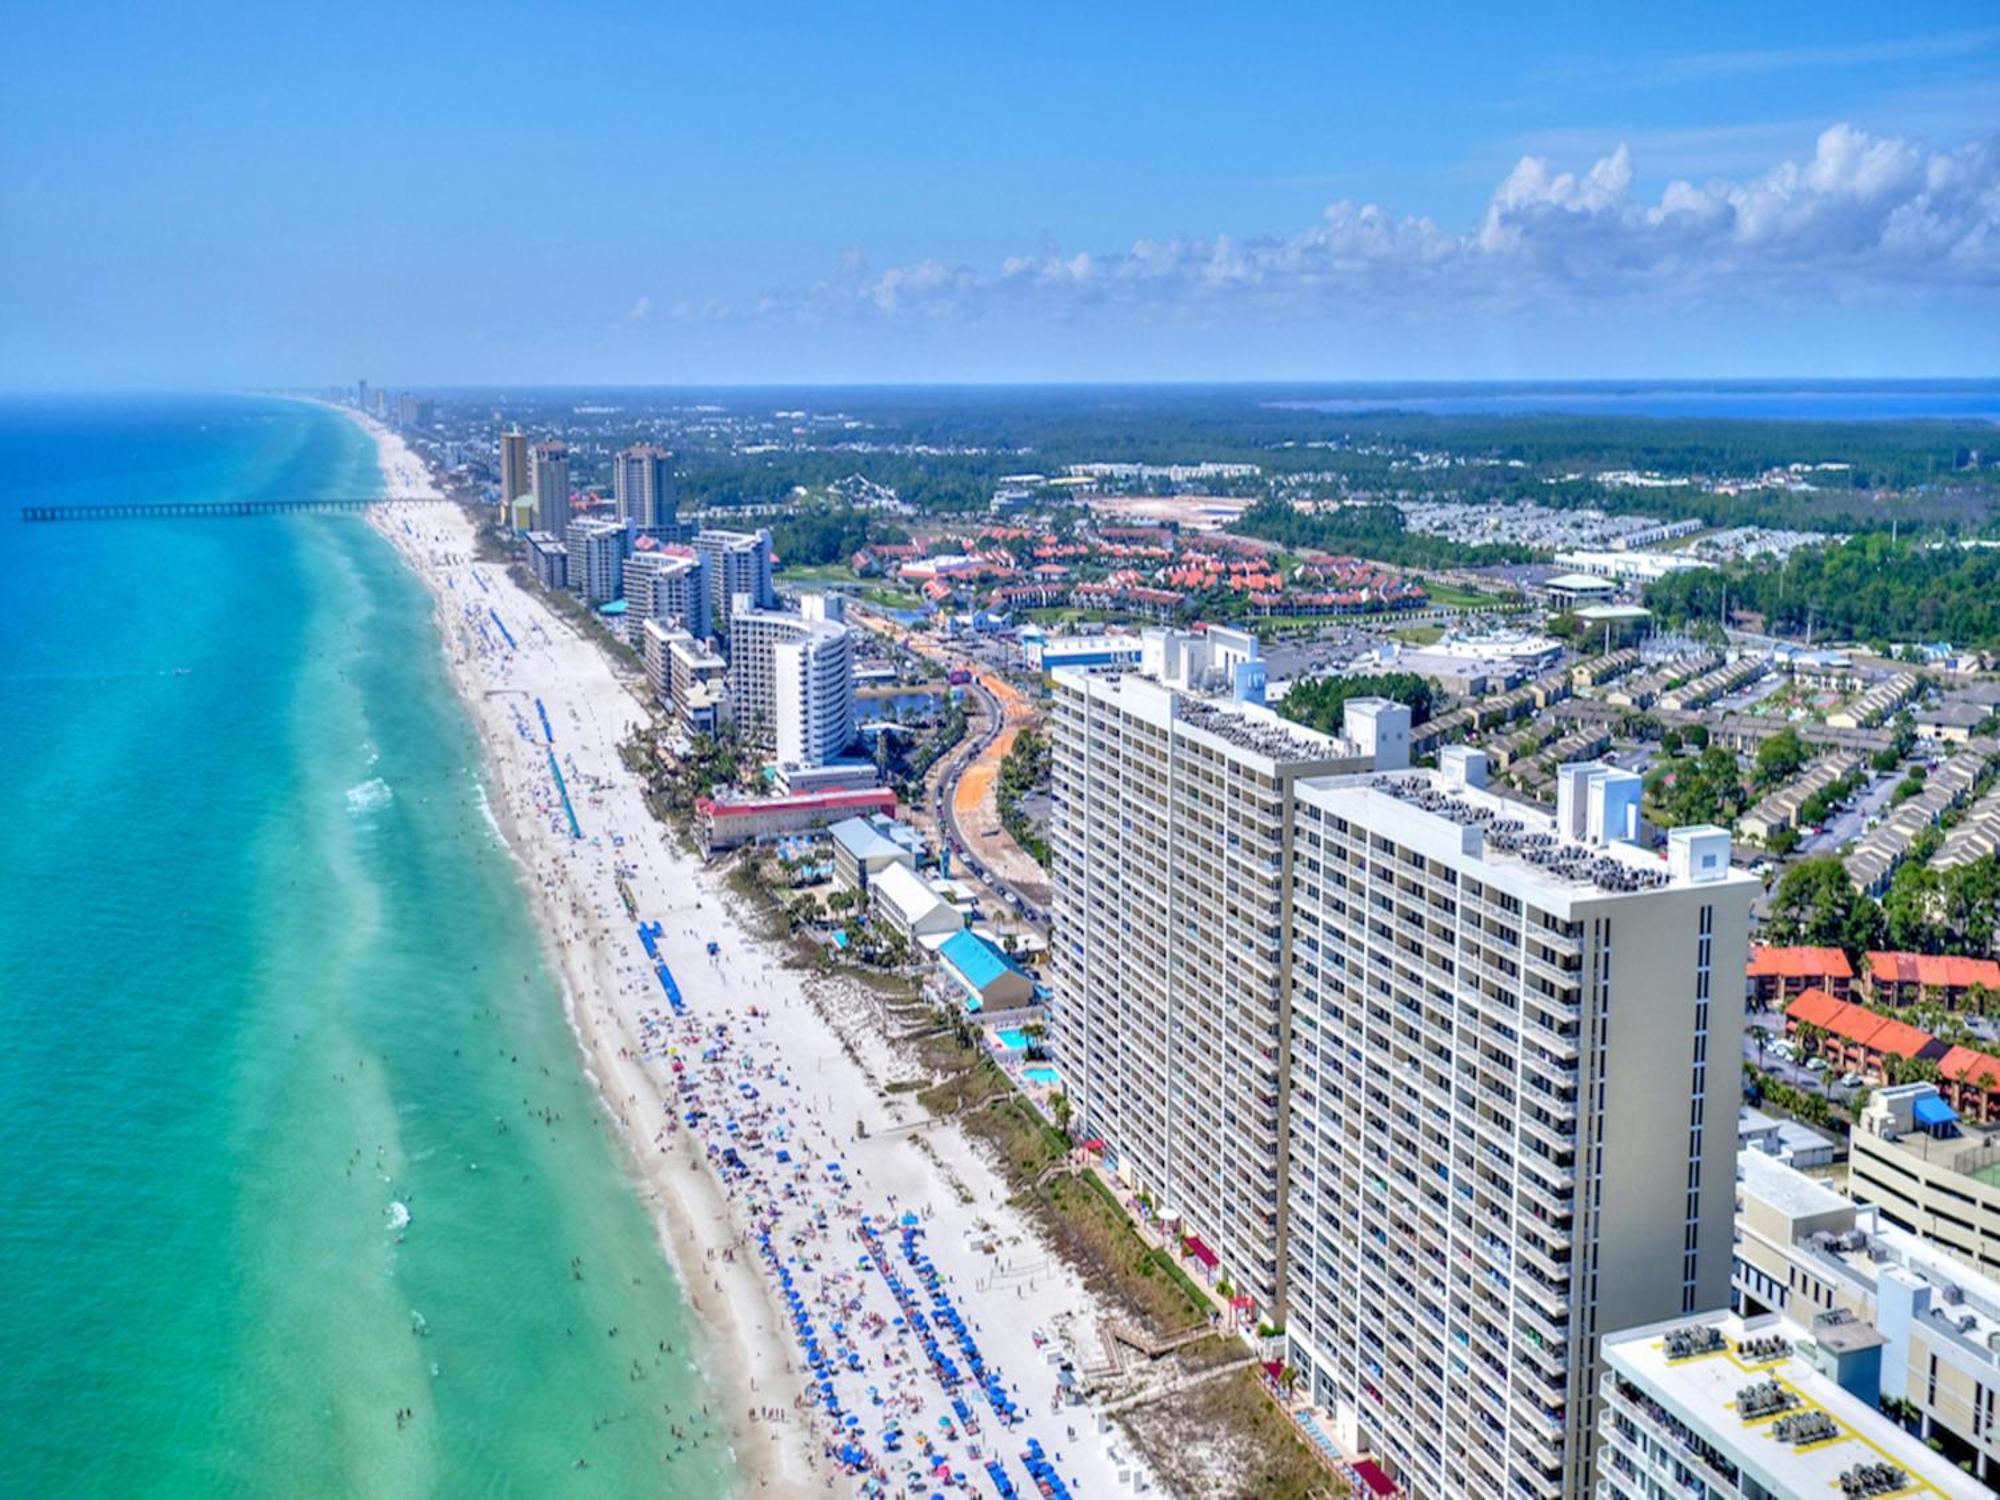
[1932, 1112]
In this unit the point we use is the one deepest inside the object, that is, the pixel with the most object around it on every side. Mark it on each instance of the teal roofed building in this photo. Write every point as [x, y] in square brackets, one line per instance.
[991, 980]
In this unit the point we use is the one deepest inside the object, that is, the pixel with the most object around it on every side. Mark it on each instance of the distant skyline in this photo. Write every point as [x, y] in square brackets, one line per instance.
[218, 195]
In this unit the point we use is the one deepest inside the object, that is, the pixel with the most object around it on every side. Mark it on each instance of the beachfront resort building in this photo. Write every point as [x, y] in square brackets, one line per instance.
[1720, 1407]
[791, 679]
[598, 547]
[669, 584]
[514, 477]
[687, 678]
[548, 478]
[909, 905]
[737, 562]
[725, 821]
[548, 559]
[1514, 1090]
[642, 482]
[864, 847]
[1170, 829]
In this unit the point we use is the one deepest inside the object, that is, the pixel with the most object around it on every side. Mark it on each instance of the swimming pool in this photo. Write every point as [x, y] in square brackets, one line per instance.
[1045, 1077]
[1013, 1039]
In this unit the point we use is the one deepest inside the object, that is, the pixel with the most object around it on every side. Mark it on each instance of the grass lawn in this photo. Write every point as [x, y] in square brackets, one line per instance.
[1420, 635]
[885, 597]
[838, 573]
[1453, 597]
[875, 591]
[1063, 618]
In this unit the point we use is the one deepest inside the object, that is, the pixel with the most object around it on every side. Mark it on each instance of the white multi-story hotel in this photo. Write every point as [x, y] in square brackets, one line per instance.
[642, 482]
[688, 679]
[738, 562]
[663, 584]
[1514, 1093]
[791, 679]
[597, 550]
[548, 463]
[1170, 834]
[814, 691]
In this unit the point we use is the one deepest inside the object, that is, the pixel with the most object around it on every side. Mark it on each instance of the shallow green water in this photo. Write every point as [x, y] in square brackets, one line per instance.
[267, 982]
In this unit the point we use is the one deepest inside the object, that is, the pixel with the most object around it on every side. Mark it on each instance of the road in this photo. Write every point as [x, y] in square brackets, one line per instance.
[968, 805]
[1847, 824]
[964, 803]
[1767, 1027]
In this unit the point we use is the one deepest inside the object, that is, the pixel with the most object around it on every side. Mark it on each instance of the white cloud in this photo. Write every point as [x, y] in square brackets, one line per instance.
[1863, 214]
[642, 311]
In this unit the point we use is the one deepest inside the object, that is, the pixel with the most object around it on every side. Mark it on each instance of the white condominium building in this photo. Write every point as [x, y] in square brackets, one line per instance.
[1170, 835]
[1719, 1407]
[688, 679]
[549, 479]
[738, 562]
[597, 551]
[814, 691]
[791, 681]
[642, 482]
[1514, 1095]
[667, 584]
[514, 478]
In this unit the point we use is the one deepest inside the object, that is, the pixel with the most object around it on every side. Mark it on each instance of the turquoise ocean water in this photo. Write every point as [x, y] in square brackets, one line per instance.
[268, 983]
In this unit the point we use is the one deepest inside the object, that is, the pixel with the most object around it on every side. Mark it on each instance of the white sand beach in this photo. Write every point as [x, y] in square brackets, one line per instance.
[774, 1148]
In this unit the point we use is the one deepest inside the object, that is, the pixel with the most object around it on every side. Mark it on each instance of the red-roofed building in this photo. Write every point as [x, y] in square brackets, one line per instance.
[1970, 1083]
[1779, 976]
[1934, 978]
[1854, 1039]
[724, 823]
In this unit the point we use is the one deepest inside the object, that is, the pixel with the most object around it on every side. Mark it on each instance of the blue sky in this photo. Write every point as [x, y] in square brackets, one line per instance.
[645, 193]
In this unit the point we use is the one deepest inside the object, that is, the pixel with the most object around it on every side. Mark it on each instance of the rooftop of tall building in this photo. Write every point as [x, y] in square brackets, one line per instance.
[1527, 839]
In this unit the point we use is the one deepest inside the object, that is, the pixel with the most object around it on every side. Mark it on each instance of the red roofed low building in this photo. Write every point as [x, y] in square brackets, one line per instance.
[1853, 1039]
[726, 822]
[1777, 976]
[1930, 978]
[1970, 1083]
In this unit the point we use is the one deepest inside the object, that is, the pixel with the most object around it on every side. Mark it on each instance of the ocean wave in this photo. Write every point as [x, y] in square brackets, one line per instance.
[486, 812]
[399, 1214]
[371, 796]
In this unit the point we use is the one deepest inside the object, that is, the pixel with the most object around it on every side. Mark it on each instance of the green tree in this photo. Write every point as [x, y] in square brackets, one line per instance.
[1817, 904]
[1906, 909]
[1780, 758]
[1319, 702]
[1697, 789]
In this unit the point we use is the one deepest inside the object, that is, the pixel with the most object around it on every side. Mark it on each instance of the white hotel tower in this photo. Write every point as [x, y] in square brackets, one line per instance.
[1514, 1091]
[1172, 791]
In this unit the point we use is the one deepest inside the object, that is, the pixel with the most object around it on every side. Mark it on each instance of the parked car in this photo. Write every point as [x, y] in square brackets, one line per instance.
[1850, 1080]
[1816, 1065]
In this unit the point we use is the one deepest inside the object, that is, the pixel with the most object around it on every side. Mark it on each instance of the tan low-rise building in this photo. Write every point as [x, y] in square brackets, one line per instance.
[1908, 1156]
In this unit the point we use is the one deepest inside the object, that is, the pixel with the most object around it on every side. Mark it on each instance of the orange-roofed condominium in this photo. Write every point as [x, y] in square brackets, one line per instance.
[1853, 1039]
[1929, 978]
[1779, 976]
